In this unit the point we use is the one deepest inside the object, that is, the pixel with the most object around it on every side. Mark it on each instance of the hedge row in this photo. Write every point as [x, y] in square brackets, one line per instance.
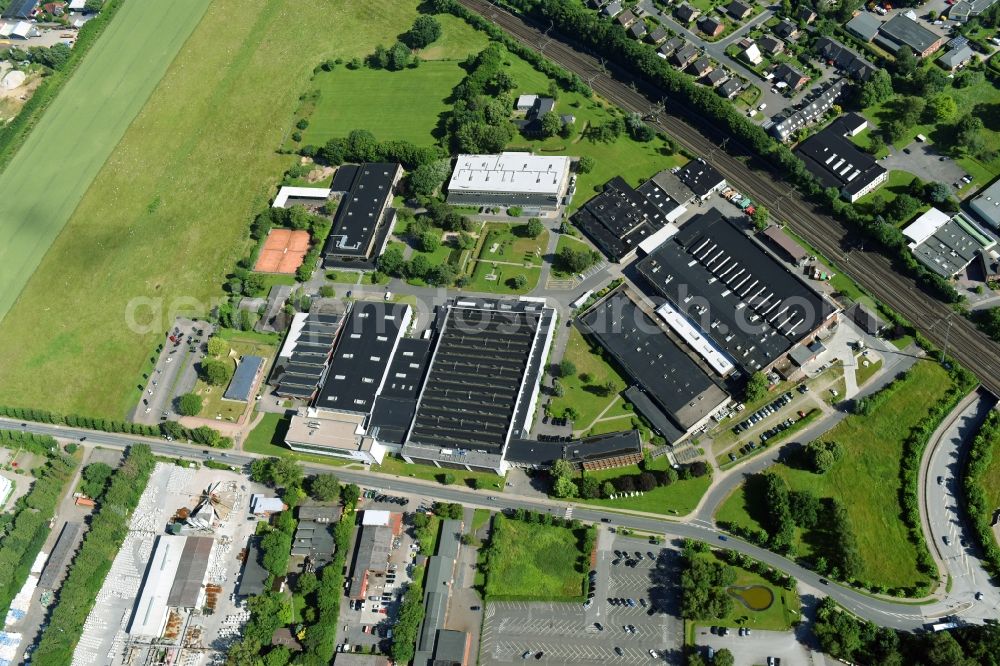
[976, 502]
[91, 565]
[27, 525]
[13, 134]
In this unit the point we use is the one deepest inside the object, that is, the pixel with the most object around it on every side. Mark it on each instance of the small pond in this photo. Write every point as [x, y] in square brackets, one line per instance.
[754, 597]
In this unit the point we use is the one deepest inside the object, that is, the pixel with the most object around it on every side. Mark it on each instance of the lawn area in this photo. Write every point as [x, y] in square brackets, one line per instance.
[678, 499]
[501, 274]
[584, 391]
[897, 183]
[457, 41]
[398, 467]
[529, 561]
[778, 617]
[213, 404]
[565, 240]
[371, 99]
[508, 243]
[866, 480]
[65, 151]
[862, 374]
[166, 218]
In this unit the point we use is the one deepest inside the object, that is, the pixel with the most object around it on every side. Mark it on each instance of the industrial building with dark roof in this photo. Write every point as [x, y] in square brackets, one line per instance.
[364, 219]
[616, 449]
[303, 358]
[482, 381]
[901, 30]
[741, 306]
[838, 163]
[360, 362]
[245, 378]
[618, 219]
[682, 393]
[702, 178]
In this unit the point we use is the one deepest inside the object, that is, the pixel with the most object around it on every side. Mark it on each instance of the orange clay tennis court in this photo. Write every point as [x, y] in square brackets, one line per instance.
[283, 251]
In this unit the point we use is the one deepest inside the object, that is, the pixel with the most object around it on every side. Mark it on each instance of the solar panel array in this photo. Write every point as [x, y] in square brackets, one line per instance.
[474, 380]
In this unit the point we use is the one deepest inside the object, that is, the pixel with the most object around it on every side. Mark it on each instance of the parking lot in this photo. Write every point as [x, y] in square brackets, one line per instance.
[174, 373]
[781, 646]
[611, 628]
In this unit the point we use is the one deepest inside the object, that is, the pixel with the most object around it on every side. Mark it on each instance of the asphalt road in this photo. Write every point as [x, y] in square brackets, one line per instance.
[945, 516]
[898, 615]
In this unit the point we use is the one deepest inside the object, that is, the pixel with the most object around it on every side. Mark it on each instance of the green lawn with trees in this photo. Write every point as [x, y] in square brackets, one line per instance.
[536, 561]
[166, 218]
[592, 386]
[853, 479]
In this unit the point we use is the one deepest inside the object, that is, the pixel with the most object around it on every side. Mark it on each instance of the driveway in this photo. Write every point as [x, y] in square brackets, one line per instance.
[941, 513]
[924, 161]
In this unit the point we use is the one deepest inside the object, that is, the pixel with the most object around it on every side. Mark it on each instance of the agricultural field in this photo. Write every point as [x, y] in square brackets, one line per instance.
[166, 218]
[60, 158]
[866, 481]
[533, 561]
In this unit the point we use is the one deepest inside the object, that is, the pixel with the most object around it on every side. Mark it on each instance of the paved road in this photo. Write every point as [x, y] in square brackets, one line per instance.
[943, 515]
[883, 612]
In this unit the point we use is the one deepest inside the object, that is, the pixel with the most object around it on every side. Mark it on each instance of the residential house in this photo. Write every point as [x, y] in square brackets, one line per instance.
[785, 128]
[668, 47]
[903, 30]
[700, 67]
[637, 30]
[658, 36]
[771, 45]
[739, 10]
[966, 9]
[730, 89]
[805, 14]
[843, 59]
[752, 54]
[684, 56]
[54, 8]
[786, 30]
[955, 58]
[612, 9]
[864, 26]
[790, 76]
[686, 13]
[715, 77]
[626, 19]
[711, 26]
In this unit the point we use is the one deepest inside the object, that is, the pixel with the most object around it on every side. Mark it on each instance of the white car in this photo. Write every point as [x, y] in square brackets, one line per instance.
[762, 106]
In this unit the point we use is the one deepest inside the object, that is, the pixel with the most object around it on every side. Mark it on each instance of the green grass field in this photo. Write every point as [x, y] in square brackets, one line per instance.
[866, 480]
[166, 218]
[479, 281]
[372, 99]
[586, 397]
[678, 499]
[64, 152]
[531, 561]
[511, 245]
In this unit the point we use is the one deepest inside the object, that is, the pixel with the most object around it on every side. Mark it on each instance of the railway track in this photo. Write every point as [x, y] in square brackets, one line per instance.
[873, 271]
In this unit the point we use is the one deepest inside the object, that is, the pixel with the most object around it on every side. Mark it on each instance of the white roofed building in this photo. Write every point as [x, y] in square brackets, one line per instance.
[509, 179]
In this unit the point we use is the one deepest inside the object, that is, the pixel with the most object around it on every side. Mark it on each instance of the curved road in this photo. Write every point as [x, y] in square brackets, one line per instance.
[898, 615]
[943, 516]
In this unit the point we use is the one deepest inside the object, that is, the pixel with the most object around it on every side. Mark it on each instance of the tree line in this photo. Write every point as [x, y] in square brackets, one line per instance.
[849, 639]
[568, 483]
[108, 528]
[26, 526]
[977, 506]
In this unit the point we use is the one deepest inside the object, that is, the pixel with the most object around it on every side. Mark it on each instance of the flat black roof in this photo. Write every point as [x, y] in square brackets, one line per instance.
[407, 369]
[391, 418]
[600, 447]
[664, 370]
[478, 366]
[254, 574]
[299, 374]
[360, 214]
[700, 176]
[242, 382]
[63, 551]
[362, 356]
[837, 162]
[730, 288]
[619, 218]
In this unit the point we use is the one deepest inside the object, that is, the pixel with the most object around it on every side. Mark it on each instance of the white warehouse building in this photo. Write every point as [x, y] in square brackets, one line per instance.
[510, 179]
